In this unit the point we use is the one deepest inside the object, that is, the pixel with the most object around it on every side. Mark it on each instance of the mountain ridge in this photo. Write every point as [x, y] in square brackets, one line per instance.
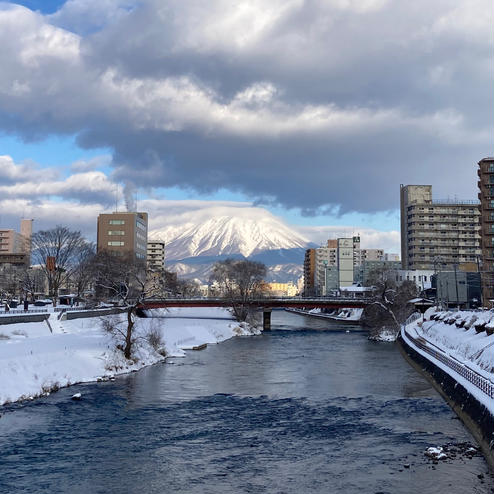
[229, 235]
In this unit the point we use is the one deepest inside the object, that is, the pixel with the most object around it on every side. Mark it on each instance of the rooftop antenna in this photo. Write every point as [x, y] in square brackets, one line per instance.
[116, 198]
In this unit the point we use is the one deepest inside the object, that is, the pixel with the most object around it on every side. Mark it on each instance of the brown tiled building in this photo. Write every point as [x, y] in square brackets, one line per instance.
[123, 234]
[485, 172]
[309, 272]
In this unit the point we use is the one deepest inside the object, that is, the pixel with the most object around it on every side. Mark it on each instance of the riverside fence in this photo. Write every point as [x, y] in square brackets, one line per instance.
[480, 382]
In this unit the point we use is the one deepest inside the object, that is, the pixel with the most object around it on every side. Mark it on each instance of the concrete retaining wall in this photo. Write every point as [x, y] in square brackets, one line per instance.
[19, 318]
[14, 319]
[93, 313]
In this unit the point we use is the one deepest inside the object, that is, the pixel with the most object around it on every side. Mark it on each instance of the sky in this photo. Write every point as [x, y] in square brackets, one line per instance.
[313, 110]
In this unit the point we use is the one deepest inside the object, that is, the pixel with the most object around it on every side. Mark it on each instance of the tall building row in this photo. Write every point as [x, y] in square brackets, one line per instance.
[338, 264]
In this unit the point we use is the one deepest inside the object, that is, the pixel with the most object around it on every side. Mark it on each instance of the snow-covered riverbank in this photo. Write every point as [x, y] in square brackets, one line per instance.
[34, 360]
[459, 343]
[463, 335]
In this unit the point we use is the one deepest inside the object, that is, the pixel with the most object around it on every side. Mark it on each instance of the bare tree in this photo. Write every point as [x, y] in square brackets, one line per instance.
[83, 272]
[56, 252]
[124, 280]
[239, 281]
[10, 280]
[33, 281]
[389, 307]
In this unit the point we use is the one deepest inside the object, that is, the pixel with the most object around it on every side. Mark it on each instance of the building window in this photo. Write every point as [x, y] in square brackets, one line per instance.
[116, 232]
[116, 244]
[117, 222]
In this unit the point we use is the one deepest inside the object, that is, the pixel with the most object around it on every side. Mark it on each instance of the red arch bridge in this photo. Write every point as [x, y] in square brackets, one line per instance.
[264, 304]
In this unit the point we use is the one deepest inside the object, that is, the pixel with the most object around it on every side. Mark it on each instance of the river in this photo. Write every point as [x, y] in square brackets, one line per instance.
[300, 409]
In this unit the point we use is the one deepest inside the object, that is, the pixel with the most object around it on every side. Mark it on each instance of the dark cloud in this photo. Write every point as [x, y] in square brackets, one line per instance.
[317, 105]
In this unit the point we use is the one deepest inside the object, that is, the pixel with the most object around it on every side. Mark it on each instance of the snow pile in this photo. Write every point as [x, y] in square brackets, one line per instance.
[34, 360]
[463, 335]
[385, 334]
[436, 453]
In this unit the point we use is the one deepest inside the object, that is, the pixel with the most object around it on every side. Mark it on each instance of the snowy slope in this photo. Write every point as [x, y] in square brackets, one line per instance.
[34, 361]
[248, 233]
[280, 273]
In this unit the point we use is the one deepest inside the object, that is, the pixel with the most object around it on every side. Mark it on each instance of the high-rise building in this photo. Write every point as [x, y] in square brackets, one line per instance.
[156, 255]
[123, 234]
[485, 172]
[345, 261]
[437, 234]
[309, 272]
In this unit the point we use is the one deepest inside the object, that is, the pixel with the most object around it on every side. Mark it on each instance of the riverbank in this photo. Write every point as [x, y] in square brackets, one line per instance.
[37, 358]
[456, 353]
[344, 316]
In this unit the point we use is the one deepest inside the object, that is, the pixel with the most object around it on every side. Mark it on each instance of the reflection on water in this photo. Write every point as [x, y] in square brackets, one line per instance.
[300, 409]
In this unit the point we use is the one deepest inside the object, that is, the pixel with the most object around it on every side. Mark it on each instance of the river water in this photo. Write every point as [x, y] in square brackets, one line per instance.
[301, 409]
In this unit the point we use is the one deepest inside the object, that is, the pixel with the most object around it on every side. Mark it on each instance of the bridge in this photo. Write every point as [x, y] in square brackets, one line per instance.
[264, 304]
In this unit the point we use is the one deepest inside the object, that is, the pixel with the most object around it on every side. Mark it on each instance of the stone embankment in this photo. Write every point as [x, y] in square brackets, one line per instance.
[455, 350]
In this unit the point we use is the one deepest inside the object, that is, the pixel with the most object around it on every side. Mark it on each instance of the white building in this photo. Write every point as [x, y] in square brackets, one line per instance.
[156, 255]
[421, 277]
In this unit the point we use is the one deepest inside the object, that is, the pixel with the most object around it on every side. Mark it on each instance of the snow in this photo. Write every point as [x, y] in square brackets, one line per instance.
[386, 335]
[255, 230]
[34, 361]
[454, 335]
[436, 453]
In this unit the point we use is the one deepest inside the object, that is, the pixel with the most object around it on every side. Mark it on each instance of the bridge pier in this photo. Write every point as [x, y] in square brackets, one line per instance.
[266, 319]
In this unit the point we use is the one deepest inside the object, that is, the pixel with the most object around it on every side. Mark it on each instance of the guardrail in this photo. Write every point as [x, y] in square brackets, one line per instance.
[479, 381]
[412, 318]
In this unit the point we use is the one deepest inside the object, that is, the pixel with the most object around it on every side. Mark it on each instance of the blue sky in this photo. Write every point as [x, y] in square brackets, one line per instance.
[316, 111]
[44, 6]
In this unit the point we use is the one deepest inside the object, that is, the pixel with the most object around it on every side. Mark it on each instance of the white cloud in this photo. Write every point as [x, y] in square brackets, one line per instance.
[310, 104]
[370, 238]
[77, 200]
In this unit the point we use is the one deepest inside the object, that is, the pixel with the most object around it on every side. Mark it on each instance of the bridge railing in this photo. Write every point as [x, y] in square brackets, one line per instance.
[478, 380]
[264, 300]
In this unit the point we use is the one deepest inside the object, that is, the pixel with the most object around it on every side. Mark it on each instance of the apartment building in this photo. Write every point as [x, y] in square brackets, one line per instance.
[370, 271]
[437, 234]
[156, 255]
[485, 172]
[281, 289]
[15, 248]
[123, 234]
[362, 255]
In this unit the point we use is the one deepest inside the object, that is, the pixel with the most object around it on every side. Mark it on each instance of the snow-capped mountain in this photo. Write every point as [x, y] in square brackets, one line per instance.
[244, 235]
[195, 244]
